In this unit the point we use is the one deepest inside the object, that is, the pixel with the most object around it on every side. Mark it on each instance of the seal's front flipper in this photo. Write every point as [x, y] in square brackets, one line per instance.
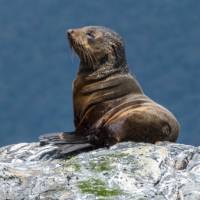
[62, 138]
[67, 143]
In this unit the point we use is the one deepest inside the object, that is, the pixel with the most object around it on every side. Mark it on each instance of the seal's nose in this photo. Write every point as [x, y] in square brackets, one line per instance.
[69, 32]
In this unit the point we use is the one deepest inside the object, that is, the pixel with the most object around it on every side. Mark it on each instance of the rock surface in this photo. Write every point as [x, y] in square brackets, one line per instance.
[128, 170]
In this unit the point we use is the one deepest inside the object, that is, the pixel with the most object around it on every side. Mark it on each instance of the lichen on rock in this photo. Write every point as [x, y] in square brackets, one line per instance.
[166, 171]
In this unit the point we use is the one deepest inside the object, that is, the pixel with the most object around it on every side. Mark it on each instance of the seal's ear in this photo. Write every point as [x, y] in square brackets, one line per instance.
[104, 59]
[119, 53]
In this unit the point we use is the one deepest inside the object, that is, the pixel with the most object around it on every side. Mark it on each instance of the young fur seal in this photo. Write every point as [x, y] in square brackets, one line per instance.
[109, 104]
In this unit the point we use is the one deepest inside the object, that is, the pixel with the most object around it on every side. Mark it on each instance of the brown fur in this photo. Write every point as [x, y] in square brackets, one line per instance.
[120, 112]
[114, 108]
[109, 103]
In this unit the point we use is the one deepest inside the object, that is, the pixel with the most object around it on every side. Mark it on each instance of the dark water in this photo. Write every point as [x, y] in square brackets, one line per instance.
[36, 70]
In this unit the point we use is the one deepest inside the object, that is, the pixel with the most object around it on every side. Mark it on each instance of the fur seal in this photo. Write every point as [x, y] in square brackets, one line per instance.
[109, 103]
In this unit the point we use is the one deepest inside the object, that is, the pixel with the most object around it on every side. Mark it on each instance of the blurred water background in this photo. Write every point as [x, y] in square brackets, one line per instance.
[36, 67]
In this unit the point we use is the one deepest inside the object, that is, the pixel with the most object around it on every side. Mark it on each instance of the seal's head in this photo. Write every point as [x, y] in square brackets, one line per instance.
[97, 46]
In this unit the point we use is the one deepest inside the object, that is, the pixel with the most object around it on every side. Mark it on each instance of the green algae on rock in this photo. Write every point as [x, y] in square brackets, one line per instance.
[98, 188]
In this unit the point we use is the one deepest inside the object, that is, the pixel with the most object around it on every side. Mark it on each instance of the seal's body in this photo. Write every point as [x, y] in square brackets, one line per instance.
[109, 103]
[115, 109]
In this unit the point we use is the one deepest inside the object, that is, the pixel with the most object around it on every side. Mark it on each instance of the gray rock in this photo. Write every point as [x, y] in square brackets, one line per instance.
[125, 171]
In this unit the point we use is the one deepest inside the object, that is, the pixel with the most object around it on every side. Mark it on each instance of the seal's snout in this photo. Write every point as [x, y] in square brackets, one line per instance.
[70, 32]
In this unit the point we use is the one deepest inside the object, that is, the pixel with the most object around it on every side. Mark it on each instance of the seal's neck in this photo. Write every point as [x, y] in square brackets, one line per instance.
[101, 70]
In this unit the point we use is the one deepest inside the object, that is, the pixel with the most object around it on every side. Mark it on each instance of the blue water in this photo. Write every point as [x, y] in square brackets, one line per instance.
[36, 67]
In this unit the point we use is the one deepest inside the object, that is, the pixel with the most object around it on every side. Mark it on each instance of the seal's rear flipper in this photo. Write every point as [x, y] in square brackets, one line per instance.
[71, 149]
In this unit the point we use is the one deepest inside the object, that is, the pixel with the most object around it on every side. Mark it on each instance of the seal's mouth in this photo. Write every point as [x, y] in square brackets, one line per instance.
[77, 44]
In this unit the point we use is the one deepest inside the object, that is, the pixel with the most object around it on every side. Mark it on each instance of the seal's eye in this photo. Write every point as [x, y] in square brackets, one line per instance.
[90, 35]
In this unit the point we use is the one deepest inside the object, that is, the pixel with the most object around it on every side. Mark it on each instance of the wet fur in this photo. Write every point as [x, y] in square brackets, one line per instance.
[109, 104]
